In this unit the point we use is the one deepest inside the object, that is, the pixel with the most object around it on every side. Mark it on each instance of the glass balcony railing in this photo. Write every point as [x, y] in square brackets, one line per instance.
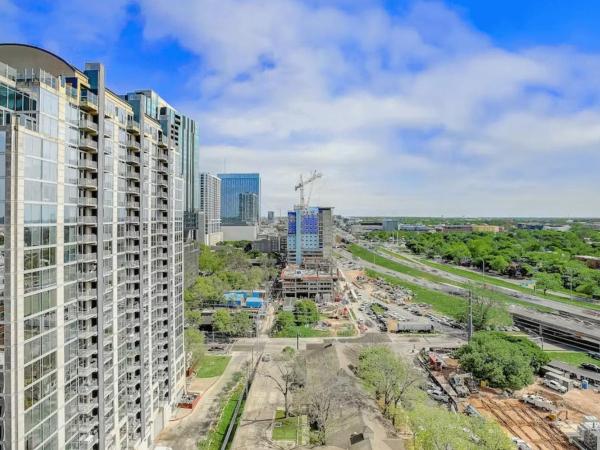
[8, 72]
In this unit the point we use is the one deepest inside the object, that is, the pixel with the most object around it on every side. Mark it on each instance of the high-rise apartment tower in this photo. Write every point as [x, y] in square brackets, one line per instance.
[91, 238]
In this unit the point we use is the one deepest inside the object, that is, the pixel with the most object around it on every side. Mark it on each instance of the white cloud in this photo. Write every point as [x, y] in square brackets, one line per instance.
[414, 112]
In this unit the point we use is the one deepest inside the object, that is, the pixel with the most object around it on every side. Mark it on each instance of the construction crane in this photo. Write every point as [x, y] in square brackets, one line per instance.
[302, 183]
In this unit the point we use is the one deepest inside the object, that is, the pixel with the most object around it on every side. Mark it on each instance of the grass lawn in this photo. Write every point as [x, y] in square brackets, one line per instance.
[215, 438]
[302, 331]
[477, 290]
[377, 309]
[449, 305]
[573, 358]
[212, 366]
[288, 431]
[497, 281]
[346, 331]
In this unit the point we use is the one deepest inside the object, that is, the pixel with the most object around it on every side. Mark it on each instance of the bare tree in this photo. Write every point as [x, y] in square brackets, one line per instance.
[325, 402]
[287, 375]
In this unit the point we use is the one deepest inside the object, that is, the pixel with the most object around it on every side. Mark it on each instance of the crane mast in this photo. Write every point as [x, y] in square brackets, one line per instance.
[302, 183]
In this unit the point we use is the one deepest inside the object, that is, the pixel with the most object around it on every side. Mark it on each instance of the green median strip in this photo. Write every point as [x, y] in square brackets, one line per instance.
[495, 281]
[573, 358]
[407, 270]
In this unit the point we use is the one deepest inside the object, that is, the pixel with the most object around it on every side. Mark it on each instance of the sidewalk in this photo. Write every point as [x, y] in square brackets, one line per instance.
[184, 432]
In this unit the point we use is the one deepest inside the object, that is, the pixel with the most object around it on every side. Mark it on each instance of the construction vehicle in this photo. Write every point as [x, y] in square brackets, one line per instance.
[538, 401]
[458, 383]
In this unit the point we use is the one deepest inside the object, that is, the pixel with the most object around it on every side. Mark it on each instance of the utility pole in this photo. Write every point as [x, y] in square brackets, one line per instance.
[470, 318]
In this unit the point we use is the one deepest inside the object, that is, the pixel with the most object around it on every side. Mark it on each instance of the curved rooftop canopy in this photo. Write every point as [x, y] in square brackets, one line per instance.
[23, 56]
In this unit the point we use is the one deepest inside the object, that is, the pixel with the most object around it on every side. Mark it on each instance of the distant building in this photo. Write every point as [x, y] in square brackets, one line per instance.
[592, 262]
[248, 208]
[268, 244]
[530, 226]
[486, 228]
[366, 226]
[239, 232]
[238, 205]
[456, 228]
[310, 236]
[417, 228]
[562, 228]
[390, 224]
[271, 217]
[209, 221]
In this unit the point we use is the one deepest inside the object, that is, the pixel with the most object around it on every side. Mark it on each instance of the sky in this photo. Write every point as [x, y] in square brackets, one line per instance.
[407, 108]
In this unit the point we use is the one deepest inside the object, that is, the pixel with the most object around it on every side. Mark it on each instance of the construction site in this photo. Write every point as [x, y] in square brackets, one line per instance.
[546, 415]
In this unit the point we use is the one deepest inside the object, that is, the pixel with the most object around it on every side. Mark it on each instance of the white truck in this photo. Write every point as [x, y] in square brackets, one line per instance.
[538, 401]
[555, 385]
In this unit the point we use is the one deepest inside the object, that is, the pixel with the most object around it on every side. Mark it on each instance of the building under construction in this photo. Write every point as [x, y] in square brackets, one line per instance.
[296, 282]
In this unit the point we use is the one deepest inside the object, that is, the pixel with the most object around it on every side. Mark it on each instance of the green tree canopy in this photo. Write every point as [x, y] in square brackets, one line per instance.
[306, 312]
[504, 361]
[222, 321]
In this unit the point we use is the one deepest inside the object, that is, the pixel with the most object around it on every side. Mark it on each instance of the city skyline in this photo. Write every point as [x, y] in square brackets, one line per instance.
[482, 119]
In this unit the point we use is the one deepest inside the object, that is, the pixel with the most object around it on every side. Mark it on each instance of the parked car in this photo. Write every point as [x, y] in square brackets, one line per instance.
[590, 366]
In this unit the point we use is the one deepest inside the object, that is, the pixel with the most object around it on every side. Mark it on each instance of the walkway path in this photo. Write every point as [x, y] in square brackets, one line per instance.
[186, 432]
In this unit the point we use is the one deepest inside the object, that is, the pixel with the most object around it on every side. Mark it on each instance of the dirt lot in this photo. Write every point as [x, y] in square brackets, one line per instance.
[521, 421]
[531, 424]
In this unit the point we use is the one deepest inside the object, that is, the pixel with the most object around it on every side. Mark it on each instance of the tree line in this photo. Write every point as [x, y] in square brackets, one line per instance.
[545, 256]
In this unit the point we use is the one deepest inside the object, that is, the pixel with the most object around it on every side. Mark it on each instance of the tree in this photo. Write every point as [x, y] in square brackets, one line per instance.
[499, 264]
[194, 345]
[209, 261]
[458, 253]
[222, 321]
[392, 378]
[285, 376]
[193, 318]
[485, 312]
[306, 312]
[284, 320]
[504, 361]
[241, 324]
[546, 281]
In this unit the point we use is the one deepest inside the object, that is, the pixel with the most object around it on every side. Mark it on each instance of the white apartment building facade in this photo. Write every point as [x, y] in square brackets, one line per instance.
[91, 255]
[210, 208]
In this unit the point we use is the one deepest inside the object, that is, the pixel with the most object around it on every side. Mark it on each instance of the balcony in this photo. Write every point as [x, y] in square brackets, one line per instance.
[132, 219]
[133, 159]
[89, 126]
[88, 183]
[88, 238]
[88, 164]
[132, 175]
[132, 189]
[88, 201]
[89, 102]
[132, 234]
[89, 313]
[133, 144]
[89, 145]
[87, 294]
[132, 204]
[162, 155]
[87, 275]
[163, 141]
[87, 257]
[87, 220]
[133, 126]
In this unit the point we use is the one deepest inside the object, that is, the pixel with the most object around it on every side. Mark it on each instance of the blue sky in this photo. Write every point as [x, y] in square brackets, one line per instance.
[463, 107]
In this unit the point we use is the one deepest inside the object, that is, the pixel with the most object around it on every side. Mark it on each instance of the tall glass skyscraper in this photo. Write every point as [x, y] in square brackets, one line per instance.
[237, 207]
[91, 268]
